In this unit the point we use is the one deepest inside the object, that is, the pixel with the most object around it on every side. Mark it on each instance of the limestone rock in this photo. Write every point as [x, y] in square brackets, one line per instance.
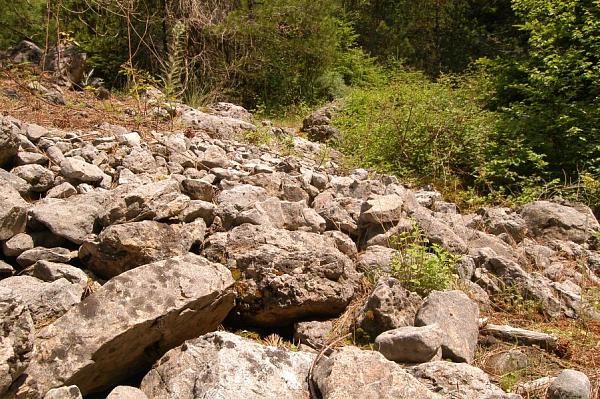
[284, 275]
[70, 392]
[388, 307]
[550, 220]
[570, 384]
[121, 247]
[458, 317]
[226, 366]
[46, 301]
[40, 178]
[51, 271]
[13, 212]
[9, 140]
[381, 209]
[351, 373]
[72, 218]
[155, 201]
[127, 324]
[17, 245]
[16, 337]
[125, 392]
[410, 344]
[315, 334]
[80, 171]
[458, 380]
[29, 257]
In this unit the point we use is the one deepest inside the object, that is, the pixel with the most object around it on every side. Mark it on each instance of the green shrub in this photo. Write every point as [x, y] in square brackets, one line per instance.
[418, 129]
[421, 267]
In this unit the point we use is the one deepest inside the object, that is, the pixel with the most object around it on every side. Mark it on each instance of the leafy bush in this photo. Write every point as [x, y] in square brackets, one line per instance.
[548, 101]
[421, 267]
[419, 129]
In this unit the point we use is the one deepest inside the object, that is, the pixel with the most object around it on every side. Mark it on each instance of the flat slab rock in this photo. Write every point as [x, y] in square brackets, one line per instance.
[351, 373]
[284, 275]
[225, 366]
[127, 324]
[16, 339]
[458, 381]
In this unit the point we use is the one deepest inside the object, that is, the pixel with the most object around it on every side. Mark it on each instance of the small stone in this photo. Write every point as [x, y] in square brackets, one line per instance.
[125, 392]
[29, 257]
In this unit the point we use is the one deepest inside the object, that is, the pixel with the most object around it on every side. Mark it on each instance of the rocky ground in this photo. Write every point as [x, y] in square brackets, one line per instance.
[171, 259]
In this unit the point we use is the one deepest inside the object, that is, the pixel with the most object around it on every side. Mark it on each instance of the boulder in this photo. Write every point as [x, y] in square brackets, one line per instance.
[121, 247]
[17, 245]
[16, 337]
[351, 373]
[140, 160]
[67, 63]
[25, 51]
[506, 362]
[13, 212]
[388, 307]
[125, 392]
[458, 317]
[438, 232]
[9, 140]
[198, 189]
[80, 171]
[570, 384]
[381, 210]
[39, 178]
[282, 214]
[70, 392]
[46, 301]
[376, 260]
[72, 218]
[458, 380]
[225, 366]
[155, 201]
[549, 220]
[503, 221]
[339, 213]
[213, 125]
[284, 275]
[127, 324]
[230, 111]
[315, 334]
[411, 344]
[29, 257]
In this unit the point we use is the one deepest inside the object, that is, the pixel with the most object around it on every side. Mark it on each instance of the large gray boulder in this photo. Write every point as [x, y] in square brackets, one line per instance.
[16, 337]
[549, 220]
[458, 381]
[570, 384]
[410, 344]
[46, 301]
[13, 212]
[40, 178]
[381, 210]
[213, 125]
[127, 324]
[72, 218]
[126, 392]
[155, 201]
[284, 275]
[80, 171]
[121, 247]
[9, 140]
[388, 307]
[458, 317]
[351, 373]
[225, 366]
[284, 215]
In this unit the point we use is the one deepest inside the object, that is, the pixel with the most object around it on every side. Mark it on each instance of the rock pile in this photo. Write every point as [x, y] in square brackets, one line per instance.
[121, 257]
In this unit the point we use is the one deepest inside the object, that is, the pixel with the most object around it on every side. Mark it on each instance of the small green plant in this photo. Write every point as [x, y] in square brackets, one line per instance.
[420, 266]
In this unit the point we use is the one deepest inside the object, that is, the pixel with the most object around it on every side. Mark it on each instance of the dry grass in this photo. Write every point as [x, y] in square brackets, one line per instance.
[82, 112]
